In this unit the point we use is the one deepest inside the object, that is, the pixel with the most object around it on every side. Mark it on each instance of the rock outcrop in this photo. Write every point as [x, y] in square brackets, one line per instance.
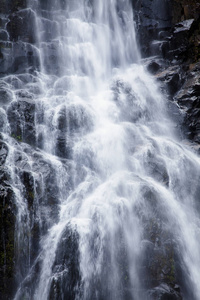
[169, 38]
[169, 28]
[171, 42]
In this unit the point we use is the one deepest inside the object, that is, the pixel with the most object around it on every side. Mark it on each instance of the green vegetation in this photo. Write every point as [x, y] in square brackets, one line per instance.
[17, 137]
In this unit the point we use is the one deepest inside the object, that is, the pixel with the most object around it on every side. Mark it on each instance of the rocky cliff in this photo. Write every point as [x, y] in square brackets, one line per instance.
[169, 37]
[169, 33]
[20, 229]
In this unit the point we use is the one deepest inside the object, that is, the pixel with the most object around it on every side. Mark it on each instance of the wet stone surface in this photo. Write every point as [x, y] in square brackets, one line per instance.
[18, 93]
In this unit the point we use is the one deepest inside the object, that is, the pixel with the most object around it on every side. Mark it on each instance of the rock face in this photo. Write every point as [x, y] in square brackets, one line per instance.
[8, 211]
[175, 36]
[188, 98]
[176, 39]
[21, 116]
[21, 223]
[17, 38]
[170, 43]
[168, 30]
[152, 18]
[67, 278]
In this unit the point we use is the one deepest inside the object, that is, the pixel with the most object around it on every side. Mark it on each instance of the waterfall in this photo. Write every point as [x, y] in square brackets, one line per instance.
[107, 197]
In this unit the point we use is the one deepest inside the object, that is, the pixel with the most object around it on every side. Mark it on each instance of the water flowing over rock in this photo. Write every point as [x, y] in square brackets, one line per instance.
[99, 198]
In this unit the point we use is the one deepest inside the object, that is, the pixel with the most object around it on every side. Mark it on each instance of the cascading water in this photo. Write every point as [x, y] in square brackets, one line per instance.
[124, 189]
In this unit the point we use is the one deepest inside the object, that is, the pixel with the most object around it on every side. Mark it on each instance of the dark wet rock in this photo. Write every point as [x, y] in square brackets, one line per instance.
[21, 160]
[28, 78]
[34, 88]
[5, 176]
[153, 67]
[46, 192]
[154, 14]
[62, 149]
[72, 120]
[156, 168]
[183, 26]
[26, 58]
[164, 292]
[40, 191]
[24, 94]
[188, 99]
[62, 120]
[173, 78]
[30, 196]
[51, 61]
[159, 265]
[5, 57]
[7, 6]
[3, 152]
[42, 196]
[51, 30]
[169, 29]
[4, 35]
[151, 18]
[21, 116]
[4, 84]
[22, 26]
[7, 244]
[3, 21]
[185, 9]
[155, 64]
[51, 4]
[18, 5]
[125, 97]
[179, 46]
[30, 282]
[18, 57]
[6, 96]
[66, 279]
[4, 7]
[3, 120]
[79, 119]
[13, 81]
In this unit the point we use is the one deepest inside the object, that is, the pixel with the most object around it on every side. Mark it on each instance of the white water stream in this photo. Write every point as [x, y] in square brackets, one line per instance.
[116, 131]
